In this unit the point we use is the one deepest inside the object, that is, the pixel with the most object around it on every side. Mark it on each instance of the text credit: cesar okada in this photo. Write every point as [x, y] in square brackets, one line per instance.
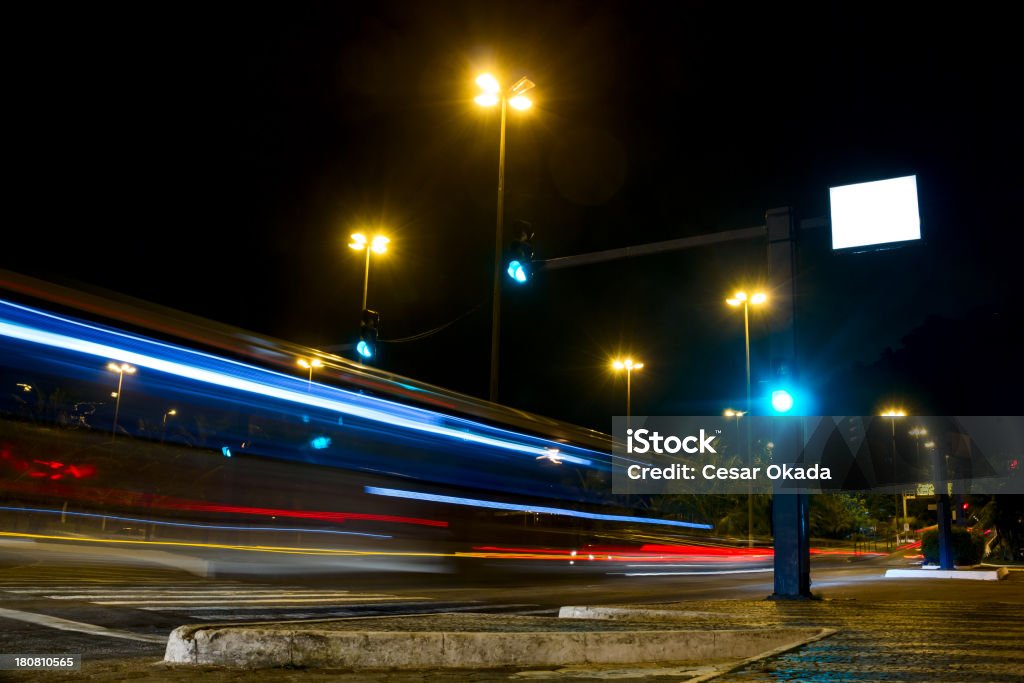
[644, 441]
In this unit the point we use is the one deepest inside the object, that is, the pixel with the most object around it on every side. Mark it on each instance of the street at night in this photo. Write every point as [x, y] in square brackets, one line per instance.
[512, 341]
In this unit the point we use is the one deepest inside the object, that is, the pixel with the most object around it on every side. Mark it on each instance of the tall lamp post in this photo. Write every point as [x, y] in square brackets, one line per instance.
[917, 433]
[736, 300]
[629, 366]
[490, 95]
[315, 363]
[120, 370]
[892, 414]
[729, 412]
[170, 413]
[378, 244]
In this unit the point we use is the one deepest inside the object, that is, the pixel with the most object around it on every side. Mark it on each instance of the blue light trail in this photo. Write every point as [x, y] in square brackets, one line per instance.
[452, 500]
[27, 324]
[193, 526]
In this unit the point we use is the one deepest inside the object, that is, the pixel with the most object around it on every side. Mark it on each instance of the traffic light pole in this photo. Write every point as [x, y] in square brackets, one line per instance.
[790, 511]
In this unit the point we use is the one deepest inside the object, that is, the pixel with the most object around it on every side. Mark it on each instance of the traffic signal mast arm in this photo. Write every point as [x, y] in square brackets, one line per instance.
[653, 248]
[668, 245]
[790, 513]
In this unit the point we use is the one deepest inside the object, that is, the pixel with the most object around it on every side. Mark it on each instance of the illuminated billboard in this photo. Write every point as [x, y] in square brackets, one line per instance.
[878, 214]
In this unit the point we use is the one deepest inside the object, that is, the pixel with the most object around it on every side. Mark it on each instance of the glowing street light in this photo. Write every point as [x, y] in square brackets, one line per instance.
[491, 94]
[729, 413]
[629, 366]
[782, 400]
[120, 370]
[892, 414]
[170, 413]
[917, 433]
[379, 244]
[741, 298]
[309, 365]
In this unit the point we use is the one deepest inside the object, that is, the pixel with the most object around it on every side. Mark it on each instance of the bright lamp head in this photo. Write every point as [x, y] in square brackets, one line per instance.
[488, 83]
[364, 349]
[520, 102]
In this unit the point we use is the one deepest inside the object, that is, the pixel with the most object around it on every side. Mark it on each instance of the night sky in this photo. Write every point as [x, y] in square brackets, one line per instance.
[216, 159]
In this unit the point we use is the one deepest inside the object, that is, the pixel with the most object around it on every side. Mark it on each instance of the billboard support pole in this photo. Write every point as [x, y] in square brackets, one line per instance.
[790, 511]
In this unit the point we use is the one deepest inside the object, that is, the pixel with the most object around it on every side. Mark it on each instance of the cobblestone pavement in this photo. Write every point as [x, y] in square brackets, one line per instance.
[926, 641]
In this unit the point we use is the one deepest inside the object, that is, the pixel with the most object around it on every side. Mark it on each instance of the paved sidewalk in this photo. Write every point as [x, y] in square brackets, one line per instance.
[928, 641]
[889, 630]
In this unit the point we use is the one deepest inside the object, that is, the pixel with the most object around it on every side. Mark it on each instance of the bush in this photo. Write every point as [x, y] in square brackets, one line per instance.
[967, 549]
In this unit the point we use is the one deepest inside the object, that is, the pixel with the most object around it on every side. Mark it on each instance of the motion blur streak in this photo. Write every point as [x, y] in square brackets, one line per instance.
[702, 550]
[585, 556]
[284, 550]
[697, 553]
[452, 500]
[278, 550]
[170, 503]
[701, 573]
[259, 381]
[191, 526]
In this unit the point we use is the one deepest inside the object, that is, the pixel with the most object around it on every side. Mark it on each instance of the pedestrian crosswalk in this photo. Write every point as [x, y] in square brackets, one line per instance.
[220, 600]
[173, 594]
[224, 601]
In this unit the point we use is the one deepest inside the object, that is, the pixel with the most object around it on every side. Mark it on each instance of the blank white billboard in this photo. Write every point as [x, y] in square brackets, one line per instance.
[876, 213]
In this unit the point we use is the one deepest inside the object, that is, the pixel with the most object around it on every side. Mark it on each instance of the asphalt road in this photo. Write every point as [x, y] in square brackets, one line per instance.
[55, 600]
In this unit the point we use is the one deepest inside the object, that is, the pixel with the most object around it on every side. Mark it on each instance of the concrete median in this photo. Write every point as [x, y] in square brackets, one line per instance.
[467, 642]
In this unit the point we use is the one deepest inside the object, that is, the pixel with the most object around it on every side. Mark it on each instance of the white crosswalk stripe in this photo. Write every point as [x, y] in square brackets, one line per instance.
[208, 600]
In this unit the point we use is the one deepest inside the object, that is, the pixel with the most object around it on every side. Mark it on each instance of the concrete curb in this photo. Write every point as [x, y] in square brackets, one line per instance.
[627, 613]
[646, 614]
[272, 647]
[973, 574]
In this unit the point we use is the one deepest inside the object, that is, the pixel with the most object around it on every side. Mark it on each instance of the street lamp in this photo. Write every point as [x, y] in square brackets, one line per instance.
[378, 244]
[490, 95]
[309, 365]
[757, 299]
[729, 412]
[170, 413]
[736, 300]
[892, 414]
[917, 433]
[629, 366]
[120, 370]
[163, 434]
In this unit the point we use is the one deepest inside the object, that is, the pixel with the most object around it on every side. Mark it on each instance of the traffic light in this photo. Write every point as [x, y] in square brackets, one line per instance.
[782, 401]
[783, 394]
[520, 257]
[369, 327]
